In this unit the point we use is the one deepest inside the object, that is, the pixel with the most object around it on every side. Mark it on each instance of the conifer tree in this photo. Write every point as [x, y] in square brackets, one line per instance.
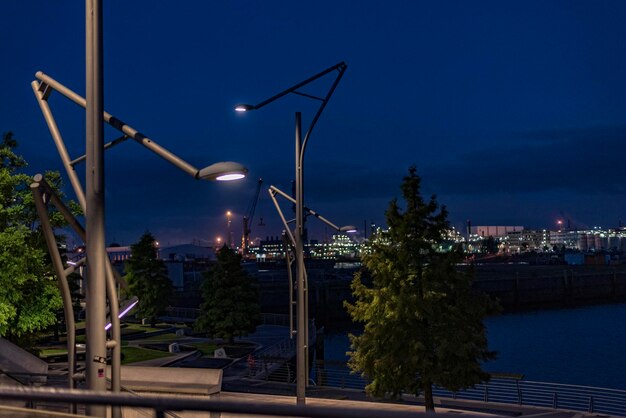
[148, 279]
[423, 323]
[230, 306]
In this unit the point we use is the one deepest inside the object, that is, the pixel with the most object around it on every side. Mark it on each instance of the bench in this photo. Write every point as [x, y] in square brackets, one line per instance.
[170, 379]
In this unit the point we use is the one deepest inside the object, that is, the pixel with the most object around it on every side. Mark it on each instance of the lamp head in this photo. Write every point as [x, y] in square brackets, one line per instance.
[224, 171]
[244, 107]
[348, 229]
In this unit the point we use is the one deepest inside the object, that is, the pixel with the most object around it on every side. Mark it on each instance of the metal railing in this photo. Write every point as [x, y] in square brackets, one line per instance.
[164, 403]
[272, 359]
[547, 395]
[191, 314]
[504, 390]
[498, 390]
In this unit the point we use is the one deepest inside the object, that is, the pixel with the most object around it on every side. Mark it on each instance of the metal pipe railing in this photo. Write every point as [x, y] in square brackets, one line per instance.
[162, 403]
[267, 367]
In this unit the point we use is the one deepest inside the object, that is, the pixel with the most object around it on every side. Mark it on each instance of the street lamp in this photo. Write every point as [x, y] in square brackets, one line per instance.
[290, 242]
[229, 215]
[297, 238]
[101, 275]
[273, 191]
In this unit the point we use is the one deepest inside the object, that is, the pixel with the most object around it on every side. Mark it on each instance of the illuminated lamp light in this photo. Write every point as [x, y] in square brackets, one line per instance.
[244, 108]
[229, 177]
[130, 304]
[224, 171]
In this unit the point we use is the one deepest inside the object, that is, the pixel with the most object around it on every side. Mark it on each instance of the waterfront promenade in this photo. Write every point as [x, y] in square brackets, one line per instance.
[504, 397]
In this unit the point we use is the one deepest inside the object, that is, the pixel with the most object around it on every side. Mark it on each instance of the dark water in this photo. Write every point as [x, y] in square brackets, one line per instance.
[582, 346]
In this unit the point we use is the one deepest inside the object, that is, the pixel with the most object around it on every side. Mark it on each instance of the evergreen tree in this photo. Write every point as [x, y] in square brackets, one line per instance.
[230, 306]
[148, 279]
[423, 323]
[29, 297]
[489, 245]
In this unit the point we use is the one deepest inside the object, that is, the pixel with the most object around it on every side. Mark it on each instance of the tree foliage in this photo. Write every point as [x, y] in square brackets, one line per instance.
[489, 245]
[423, 323]
[29, 297]
[148, 279]
[230, 306]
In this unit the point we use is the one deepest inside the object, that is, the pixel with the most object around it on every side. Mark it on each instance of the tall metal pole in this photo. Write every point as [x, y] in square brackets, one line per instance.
[51, 243]
[230, 233]
[301, 279]
[301, 298]
[96, 250]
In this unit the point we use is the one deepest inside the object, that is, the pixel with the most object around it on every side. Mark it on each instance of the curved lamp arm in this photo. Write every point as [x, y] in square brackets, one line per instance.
[347, 228]
[339, 67]
[219, 171]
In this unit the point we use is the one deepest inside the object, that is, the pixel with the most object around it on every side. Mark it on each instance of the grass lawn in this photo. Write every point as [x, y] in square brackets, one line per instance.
[205, 348]
[135, 354]
[130, 354]
[139, 327]
[47, 352]
[162, 337]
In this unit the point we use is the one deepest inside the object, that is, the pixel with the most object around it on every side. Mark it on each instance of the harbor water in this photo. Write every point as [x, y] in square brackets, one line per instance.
[581, 346]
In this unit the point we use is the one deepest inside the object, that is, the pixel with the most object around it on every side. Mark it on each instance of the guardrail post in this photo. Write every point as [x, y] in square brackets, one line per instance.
[158, 413]
[320, 376]
[555, 401]
[486, 393]
[519, 393]
[590, 404]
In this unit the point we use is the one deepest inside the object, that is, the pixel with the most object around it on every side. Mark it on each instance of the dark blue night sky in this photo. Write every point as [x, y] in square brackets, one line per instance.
[513, 112]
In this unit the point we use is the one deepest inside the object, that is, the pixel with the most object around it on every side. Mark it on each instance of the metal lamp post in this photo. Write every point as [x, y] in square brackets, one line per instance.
[43, 87]
[95, 358]
[291, 241]
[300, 148]
[100, 283]
[229, 215]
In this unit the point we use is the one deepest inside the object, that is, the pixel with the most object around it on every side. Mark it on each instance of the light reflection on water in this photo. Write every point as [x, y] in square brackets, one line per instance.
[582, 346]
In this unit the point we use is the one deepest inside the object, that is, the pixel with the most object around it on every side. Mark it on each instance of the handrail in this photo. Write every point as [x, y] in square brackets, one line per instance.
[16, 376]
[542, 394]
[498, 390]
[132, 392]
[163, 403]
[501, 390]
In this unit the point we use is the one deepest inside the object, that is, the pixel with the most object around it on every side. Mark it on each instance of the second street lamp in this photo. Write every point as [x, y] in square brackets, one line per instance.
[301, 142]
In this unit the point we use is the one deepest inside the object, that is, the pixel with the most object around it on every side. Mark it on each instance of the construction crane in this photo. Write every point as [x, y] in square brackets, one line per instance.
[247, 220]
